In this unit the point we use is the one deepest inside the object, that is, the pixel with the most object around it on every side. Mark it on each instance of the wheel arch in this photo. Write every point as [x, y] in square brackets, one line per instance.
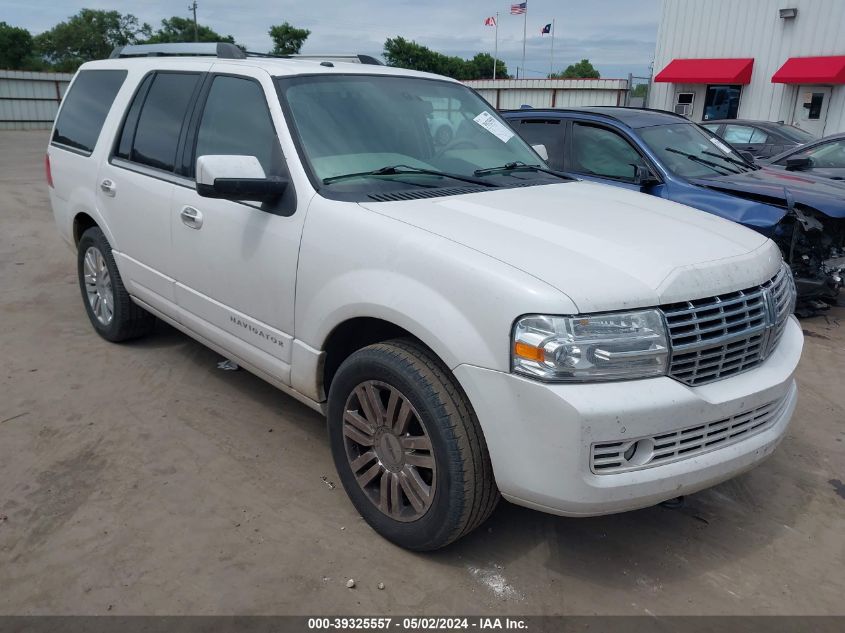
[353, 334]
[82, 221]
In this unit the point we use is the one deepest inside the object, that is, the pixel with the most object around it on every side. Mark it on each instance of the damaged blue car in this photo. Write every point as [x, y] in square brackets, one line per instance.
[666, 155]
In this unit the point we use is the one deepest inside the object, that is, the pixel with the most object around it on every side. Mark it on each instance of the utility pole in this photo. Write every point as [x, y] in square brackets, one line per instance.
[193, 7]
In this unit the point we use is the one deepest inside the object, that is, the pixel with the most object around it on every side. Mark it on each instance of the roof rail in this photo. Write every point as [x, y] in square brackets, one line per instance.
[223, 50]
[326, 57]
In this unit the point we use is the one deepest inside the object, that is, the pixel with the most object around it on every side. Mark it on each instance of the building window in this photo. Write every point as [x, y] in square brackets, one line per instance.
[721, 102]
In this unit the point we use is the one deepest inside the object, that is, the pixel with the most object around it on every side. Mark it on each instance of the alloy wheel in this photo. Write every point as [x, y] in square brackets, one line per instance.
[98, 286]
[389, 451]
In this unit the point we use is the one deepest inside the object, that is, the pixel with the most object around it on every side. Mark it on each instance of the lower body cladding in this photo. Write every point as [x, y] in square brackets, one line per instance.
[599, 448]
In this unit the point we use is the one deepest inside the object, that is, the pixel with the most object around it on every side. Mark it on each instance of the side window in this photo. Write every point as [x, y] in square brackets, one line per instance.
[741, 134]
[236, 120]
[548, 132]
[712, 128]
[160, 120]
[598, 151]
[85, 108]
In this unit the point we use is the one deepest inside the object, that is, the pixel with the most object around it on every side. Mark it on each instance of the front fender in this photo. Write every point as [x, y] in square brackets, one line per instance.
[458, 301]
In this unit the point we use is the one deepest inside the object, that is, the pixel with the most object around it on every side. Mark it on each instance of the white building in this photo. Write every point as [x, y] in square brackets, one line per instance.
[773, 60]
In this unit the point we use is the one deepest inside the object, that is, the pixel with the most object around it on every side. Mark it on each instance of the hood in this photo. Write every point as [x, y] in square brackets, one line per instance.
[605, 247]
[770, 186]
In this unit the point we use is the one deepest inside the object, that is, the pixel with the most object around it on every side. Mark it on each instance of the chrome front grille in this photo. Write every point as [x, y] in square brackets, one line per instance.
[607, 458]
[720, 336]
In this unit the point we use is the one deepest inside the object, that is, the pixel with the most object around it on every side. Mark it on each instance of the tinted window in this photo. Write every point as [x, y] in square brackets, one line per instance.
[598, 151]
[86, 106]
[236, 121]
[548, 132]
[127, 135]
[160, 121]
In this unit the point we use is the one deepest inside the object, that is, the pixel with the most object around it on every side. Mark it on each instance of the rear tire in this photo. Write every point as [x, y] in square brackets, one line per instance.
[407, 446]
[110, 309]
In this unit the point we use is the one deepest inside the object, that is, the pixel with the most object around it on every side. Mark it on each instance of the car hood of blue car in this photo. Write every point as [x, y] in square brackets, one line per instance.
[781, 189]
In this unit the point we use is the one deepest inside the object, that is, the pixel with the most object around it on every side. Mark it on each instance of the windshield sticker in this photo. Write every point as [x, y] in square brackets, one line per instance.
[492, 125]
[721, 145]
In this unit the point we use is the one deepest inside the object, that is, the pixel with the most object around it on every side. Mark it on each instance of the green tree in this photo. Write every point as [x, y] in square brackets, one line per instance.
[640, 90]
[582, 70]
[178, 29]
[287, 39]
[15, 47]
[482, 67]
[90, 34]
[402, 53]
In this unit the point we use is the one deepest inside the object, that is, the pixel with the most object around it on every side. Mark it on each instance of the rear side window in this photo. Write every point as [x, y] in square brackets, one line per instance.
[236, 120]
[85, 108]
[159, 123]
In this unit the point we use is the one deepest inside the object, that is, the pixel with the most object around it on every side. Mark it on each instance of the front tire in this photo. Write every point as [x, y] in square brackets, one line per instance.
[408, 448]
[110, 309]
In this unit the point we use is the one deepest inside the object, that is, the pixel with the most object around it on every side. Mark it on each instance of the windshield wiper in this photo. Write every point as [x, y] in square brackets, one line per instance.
[698, 159]
[735, 161]
[519, 166]
[394, 170]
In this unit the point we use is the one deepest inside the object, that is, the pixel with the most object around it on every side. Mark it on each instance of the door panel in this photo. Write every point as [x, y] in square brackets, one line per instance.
[135, 187]
[236, 270]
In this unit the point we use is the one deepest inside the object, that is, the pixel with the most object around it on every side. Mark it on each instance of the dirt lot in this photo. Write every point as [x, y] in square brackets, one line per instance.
[141, 479]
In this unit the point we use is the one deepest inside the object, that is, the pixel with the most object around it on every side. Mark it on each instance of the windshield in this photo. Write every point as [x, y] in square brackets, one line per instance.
[691, 152]
[796, 134]
[349, 125]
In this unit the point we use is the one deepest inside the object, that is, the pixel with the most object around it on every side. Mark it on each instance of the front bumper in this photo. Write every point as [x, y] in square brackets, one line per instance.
[540, 436]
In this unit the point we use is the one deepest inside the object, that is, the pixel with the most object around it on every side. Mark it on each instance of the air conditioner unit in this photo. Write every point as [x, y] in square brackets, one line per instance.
[683, 103]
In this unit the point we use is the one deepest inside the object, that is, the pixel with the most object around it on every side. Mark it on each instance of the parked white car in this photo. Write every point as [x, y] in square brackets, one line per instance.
[471, 323]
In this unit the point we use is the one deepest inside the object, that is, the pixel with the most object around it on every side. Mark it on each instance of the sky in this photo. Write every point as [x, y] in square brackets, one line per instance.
[618, 36]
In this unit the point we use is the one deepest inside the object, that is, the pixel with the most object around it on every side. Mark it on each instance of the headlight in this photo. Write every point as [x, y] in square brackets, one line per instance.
[613, 346]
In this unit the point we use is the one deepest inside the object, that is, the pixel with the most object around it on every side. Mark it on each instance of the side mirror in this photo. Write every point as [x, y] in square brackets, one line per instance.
[236, 178]
[643, 176]
[541, 150]
[799, 164]
[748, 156]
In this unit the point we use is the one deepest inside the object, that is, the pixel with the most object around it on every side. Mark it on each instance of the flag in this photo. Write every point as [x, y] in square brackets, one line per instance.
[546, 29]
[491, 21]
[519, 9]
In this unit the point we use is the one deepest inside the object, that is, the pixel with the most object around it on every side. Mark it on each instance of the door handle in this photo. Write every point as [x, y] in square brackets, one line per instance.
[108, 187]
[191, 218]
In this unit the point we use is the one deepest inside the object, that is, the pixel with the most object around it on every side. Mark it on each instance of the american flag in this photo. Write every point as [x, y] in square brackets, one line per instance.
[519, 9]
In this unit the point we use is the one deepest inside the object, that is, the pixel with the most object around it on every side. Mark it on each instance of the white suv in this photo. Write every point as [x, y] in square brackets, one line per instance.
[471, 323]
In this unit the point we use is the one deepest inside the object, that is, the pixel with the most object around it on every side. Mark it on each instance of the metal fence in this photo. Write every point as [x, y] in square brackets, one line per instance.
[28, 100]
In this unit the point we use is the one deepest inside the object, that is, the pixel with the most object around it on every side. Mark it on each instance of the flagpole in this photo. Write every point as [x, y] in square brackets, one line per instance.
[552, 63]
[524, 27]
[496, 46]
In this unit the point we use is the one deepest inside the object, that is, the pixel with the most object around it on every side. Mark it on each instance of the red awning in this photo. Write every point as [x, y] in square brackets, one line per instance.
[707, 71]
[811, 70]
